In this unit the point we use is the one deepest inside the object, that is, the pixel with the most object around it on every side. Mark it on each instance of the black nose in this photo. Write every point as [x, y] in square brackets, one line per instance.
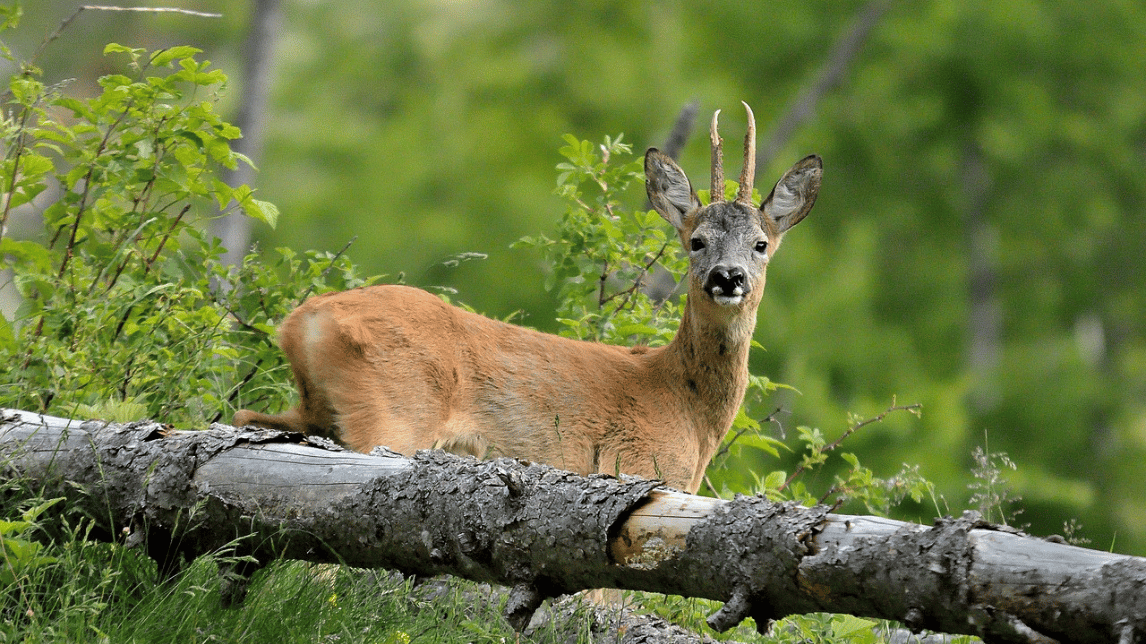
[725, 280]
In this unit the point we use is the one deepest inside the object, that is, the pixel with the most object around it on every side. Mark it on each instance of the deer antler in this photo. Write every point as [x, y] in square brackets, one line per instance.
[748, 173]
[717, 163]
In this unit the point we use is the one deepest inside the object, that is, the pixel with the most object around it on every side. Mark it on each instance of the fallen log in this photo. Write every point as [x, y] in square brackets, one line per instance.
[544, 532]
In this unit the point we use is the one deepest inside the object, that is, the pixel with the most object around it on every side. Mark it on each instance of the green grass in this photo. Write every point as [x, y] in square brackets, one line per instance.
[104, 593]
[100, 592]
[80, 590]
[290, 601]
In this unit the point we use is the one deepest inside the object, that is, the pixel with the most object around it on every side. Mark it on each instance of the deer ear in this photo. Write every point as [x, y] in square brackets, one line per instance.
[794, 195]
[668, 188]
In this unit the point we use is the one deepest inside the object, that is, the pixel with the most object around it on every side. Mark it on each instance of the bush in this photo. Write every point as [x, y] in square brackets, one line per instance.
[126, 309]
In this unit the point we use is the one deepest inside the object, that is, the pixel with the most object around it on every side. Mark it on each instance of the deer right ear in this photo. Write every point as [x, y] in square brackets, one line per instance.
[668, 188]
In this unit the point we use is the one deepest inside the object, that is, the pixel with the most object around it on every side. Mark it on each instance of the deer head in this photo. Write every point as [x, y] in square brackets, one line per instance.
[730, 242]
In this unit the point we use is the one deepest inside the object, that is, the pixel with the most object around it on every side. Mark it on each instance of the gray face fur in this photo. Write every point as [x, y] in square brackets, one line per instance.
[728, 251]
[730, 242]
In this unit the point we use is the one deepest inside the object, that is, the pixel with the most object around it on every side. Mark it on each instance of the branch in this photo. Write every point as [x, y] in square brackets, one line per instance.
[543, 532]
[681, 130]
[94, 7]
[853, 428]
[838, 62]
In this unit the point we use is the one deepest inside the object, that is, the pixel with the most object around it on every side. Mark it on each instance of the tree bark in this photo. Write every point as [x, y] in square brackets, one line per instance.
[544, 532]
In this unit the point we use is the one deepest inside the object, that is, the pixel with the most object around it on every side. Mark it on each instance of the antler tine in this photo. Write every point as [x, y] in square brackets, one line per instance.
[717, 162]
[748, 173]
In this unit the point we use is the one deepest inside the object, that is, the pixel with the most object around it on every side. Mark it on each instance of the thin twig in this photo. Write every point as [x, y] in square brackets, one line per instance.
[20, 140]
[83, 204]
[187, 12]
[913, 408]
[711, 487]
[95, 7]
[121, 249]
[771, 418]
[151, 262]
[638, 281]
[601, 299]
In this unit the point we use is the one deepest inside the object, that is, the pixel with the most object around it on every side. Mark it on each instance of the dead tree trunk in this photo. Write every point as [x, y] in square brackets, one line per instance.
[544, 532]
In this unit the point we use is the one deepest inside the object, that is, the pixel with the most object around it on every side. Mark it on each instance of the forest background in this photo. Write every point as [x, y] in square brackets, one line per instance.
[977, 246]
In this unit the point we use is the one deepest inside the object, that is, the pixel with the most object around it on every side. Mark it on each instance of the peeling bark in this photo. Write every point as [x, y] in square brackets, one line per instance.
[543, 532]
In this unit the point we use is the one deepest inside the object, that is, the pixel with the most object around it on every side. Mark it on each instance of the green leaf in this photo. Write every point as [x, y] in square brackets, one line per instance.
[851, 626]
[116, 48]
[763, 443]
[13, 527]
[33, 513]
[264, 211]
[10, 15]
[634, 329]
[113, 48]
[775, 479]
[164, 57]
[28, 255]
[25, 90]
[35, 165]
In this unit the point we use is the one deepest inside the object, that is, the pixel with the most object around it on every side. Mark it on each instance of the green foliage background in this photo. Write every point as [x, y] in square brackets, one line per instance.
[973, 147]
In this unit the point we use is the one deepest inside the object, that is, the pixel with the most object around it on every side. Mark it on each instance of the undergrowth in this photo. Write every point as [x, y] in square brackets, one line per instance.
[122, 288]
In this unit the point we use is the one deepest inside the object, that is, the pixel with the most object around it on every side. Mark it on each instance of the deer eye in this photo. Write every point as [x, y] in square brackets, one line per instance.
[761, 246]
[696, 244]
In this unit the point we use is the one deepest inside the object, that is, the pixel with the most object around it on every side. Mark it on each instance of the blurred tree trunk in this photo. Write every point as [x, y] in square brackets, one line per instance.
[836, 66]
[234, 229]
[544, 532]
[985, 317]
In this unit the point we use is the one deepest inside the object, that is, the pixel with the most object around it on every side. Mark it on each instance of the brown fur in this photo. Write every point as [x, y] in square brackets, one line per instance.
[396, 366]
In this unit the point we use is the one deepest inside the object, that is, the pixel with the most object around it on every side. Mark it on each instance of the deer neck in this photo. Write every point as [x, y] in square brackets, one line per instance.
[710, 351]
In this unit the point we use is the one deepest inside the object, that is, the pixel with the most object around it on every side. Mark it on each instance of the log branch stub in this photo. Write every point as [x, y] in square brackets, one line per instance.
[523, 601]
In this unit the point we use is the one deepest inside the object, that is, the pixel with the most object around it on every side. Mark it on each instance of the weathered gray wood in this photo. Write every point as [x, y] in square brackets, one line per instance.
[543, 532]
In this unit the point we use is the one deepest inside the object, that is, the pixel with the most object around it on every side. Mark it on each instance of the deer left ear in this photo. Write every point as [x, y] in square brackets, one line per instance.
[668, 188]
[794, 194]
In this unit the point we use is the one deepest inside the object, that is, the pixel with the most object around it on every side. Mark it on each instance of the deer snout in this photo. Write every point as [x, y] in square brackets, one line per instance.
[727, 284]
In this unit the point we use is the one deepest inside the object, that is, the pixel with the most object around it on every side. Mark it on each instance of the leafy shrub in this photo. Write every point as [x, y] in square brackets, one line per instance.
[127, 311]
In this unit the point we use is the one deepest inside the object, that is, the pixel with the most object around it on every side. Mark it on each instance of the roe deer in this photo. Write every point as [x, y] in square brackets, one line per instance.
[396, 366]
